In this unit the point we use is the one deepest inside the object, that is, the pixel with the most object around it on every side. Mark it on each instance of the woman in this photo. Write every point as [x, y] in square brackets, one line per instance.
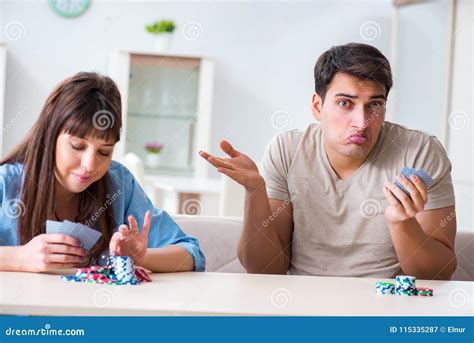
[63, 170]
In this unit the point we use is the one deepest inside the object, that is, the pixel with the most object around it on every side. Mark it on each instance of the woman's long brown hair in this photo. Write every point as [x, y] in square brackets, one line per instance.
[86, 104]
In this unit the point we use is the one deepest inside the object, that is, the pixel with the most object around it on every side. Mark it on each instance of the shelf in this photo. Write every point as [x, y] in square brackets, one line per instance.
[165, 170]
[161, 116]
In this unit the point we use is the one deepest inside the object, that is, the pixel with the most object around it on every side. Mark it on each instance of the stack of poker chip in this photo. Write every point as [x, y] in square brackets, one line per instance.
[124, 269]
[405, 285]
[424, 292]
[120, 271]
[384, 288]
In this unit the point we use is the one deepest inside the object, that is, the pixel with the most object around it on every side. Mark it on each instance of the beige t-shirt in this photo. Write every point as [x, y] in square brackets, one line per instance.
[339, 225]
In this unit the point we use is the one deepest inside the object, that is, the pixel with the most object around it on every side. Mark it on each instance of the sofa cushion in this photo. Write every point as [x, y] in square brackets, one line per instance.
[464, 246]
[218, 238]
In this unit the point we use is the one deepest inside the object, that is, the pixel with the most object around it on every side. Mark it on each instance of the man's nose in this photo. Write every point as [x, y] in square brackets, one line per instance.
[361, 117]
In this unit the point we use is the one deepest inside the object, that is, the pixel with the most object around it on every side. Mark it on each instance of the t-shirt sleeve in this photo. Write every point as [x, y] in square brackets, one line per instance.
[433, 159]
[276, 163]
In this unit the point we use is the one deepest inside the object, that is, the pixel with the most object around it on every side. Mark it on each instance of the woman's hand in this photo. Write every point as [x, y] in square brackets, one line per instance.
[238, 167]
[51, 251]
[401, 206]
[129, 242]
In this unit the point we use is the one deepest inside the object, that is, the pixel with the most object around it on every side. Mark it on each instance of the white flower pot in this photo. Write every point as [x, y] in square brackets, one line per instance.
[163, 41]
[152, 160]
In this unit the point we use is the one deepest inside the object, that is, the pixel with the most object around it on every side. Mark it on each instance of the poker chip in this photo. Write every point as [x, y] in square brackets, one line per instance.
[404, 293]
[71, 278]
[424, 292]
[142, 275]
[405, 285]
[120, 270]
[384, 288]
[123, 268]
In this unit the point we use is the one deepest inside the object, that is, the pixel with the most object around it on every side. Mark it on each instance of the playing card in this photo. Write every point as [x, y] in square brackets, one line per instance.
[408, 172]
[53, 226]
[87, 236]
[427, 180]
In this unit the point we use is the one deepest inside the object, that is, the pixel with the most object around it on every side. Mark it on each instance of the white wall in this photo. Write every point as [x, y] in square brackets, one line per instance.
[264, 54]
[461, 126]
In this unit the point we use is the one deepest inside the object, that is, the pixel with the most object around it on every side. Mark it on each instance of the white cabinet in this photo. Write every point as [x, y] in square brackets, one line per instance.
[166, 99]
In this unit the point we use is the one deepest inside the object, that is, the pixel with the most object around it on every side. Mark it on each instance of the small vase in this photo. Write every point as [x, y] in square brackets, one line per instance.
[163, 41]
[152, 160]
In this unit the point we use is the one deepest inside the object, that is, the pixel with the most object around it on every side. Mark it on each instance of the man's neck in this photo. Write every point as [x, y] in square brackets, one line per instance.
[343, 166]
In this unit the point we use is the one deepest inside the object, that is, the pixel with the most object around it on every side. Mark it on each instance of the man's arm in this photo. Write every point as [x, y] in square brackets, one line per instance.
[423, 240]
[264, 246]
[425, 244]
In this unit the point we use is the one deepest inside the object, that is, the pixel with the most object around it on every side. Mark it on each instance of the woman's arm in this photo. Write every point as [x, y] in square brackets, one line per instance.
[10, 258]
[43, 252]
[154, 235]
[173, 258]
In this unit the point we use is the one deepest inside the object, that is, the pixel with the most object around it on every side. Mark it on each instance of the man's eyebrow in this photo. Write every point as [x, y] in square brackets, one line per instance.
[346, 95]
[380, 96]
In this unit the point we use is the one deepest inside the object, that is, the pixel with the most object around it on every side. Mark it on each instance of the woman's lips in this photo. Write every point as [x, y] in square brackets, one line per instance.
[82, 179]
[358, 139]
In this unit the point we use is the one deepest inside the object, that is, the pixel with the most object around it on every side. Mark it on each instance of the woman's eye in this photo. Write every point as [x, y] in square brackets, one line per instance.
[76, 147]
[105, 154]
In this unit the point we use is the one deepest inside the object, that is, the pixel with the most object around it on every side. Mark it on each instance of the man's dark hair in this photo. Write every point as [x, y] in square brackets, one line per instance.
[360, 60]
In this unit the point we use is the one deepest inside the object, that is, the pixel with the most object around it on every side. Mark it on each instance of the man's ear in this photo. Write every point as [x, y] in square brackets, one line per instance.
[316, 106]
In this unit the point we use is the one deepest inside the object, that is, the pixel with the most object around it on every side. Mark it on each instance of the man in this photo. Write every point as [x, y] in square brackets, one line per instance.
[325, 202]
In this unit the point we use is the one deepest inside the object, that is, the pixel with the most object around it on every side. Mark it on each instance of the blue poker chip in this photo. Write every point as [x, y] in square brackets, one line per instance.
[72, 278]
[131, 282]
[120, 271]
[384, 288]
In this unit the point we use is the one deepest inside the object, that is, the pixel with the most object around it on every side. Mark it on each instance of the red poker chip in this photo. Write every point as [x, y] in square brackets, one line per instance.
[97, 268]
[142, 274]
[96, 276]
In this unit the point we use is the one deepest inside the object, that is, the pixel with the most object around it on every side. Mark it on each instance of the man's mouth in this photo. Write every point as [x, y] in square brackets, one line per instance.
[359, 138]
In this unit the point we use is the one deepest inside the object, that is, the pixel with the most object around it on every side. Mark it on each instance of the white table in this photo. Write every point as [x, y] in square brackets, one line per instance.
[227, 294]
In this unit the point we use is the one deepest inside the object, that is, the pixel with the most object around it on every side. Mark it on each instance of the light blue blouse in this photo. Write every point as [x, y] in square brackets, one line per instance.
[126, 198]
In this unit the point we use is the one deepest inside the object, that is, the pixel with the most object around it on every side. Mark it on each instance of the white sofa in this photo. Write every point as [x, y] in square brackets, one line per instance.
[219, 236]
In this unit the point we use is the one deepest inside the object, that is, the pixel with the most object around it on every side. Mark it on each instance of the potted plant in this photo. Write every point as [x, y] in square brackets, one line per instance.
[163, 31]
[153, 150]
